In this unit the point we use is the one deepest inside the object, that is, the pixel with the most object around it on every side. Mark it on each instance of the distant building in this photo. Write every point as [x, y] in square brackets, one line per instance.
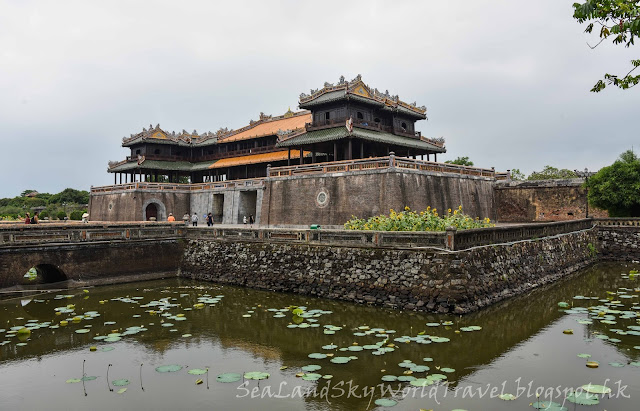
[345, 121]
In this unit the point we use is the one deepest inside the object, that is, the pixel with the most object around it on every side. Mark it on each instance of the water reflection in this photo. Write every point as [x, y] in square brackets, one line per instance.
[222, 339]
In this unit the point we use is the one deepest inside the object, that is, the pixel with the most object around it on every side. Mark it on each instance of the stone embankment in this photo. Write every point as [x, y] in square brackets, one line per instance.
[412, 278]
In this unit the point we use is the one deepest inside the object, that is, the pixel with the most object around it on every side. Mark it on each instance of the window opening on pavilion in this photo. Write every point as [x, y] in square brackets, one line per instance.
[359, 115]
[137, 152]
[156, 151]
[376, 120]
[404, 126]
[327, 115]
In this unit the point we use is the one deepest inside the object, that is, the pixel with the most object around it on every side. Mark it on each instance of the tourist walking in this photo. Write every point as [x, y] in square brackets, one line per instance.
[194, 219]
[251, 220]
[27, 219]
[185, 218]
[34, 219]
[209, 220]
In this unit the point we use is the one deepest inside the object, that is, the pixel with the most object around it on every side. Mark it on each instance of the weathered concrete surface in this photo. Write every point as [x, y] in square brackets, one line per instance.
[296, 200]
[543, 200]
[456, 282]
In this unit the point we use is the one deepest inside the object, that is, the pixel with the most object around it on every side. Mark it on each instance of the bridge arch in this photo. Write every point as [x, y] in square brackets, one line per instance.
[148, 208]
[49, 273]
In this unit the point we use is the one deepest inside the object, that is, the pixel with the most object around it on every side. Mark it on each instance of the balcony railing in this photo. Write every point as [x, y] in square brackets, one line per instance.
[252, 182]
[369, 125]
[383, 163]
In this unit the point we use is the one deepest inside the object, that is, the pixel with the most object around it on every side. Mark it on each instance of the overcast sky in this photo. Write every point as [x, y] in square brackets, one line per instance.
[505, 82]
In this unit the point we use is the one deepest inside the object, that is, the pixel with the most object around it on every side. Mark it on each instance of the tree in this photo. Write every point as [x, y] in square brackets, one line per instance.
[619, 19]
[461, 161]
[516, 174]
[552, 173]
[69, 195]
[616, 188]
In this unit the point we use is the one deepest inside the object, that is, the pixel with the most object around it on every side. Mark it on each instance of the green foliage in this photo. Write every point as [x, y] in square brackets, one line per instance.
[552, 173]
[61, 215]
[461, 161]
[618, 20]
[409, 220]
[44, 214]
[516, 174]
[616, 188]
[592, 250]
[69, 195]
[77, 214]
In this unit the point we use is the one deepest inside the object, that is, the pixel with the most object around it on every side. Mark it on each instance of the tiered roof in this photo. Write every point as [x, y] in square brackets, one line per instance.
[357, 90]
[265, 126]
[336, 133]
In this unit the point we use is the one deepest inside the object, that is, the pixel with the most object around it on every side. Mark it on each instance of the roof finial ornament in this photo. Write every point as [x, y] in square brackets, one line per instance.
[150, 127]
[341, 80]
[158, 126]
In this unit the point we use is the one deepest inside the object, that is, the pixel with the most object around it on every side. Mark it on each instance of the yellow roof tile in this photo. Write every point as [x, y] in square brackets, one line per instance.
[257, 158]
[269, 128]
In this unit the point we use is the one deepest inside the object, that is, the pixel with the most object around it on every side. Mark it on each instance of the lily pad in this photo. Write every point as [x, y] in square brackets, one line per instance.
[548, 406]
[169, 368]
[507, 397]
[229, 377]
[121, 383]
[340, 360]
[197, 371]
[88, 378]
[317, 355]
[596, 389]
[73, 380]
[583, 398]
[422, 382]
[385, 402]
[311, 377]
[311, 368]
[256, 375]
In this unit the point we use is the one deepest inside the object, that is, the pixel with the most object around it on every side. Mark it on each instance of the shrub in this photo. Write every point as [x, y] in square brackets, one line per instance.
[76, 214]
[61, 215]
[409, 220]
[44, 214]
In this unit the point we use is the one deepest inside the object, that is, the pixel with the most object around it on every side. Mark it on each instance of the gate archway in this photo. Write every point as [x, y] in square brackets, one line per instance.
[152, 205]
[151, 212]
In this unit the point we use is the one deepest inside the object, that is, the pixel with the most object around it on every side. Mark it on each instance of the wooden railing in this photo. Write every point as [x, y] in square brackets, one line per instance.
[382, 163]
[253, 182]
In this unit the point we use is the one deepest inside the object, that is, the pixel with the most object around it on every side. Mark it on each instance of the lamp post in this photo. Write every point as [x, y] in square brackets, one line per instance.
[585, 174]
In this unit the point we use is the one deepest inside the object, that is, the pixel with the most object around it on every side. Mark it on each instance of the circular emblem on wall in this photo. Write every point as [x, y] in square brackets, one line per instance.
[322, 199]
[110, 206]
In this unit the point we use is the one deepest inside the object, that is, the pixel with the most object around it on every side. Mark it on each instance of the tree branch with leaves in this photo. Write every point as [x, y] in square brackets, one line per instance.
[618, 20]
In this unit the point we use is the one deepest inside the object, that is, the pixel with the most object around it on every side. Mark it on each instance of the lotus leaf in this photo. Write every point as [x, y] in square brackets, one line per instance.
[229, 377]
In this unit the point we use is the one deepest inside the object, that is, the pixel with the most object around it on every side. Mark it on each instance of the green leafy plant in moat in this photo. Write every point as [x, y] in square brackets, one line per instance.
[592, 250]
[427, 220]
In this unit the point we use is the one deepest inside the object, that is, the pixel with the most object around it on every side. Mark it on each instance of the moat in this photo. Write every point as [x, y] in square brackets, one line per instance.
[516, 346]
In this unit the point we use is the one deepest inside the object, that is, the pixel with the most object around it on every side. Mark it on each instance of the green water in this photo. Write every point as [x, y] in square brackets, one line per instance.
[520, 346]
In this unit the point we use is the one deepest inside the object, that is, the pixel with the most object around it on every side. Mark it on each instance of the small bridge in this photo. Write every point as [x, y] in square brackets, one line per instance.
[95, 251]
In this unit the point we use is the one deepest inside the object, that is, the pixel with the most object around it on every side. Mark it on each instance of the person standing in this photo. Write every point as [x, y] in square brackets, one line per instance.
[27, 219]
[185, 218]
[171, 217]
[34, 219]
[194, 219]
[209, 220]
[244, 220]
[251, 220]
